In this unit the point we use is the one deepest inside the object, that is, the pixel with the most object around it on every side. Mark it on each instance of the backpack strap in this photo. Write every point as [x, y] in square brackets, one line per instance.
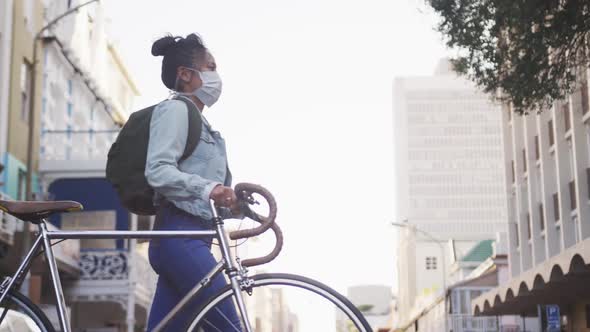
[195, 126]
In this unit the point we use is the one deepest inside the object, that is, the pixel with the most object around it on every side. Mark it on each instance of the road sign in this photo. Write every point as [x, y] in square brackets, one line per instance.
[553, 318]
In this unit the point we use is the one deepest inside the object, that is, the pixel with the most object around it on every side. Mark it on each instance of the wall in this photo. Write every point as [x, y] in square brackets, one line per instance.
[580, 318]
[27, 21]
[547, 159]
[6, 12]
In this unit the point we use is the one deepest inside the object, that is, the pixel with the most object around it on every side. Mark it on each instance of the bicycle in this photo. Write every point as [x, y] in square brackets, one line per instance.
[242, 288]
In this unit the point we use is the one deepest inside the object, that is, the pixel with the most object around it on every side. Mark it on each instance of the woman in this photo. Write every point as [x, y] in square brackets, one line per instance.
[183, 189]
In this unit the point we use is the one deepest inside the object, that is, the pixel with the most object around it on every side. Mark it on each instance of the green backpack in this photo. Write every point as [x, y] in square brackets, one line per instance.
[127, 158]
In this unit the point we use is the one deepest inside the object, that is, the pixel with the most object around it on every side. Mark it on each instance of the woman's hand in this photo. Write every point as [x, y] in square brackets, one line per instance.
[225, 197]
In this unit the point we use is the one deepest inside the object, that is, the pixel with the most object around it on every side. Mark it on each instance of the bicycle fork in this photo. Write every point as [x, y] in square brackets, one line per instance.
[234, 271]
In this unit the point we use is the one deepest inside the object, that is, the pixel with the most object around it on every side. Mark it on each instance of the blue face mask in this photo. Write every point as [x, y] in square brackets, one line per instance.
[210, 90]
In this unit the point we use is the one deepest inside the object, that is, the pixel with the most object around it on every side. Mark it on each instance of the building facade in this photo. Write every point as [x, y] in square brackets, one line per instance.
[449, 178]
[375, 303]
[18, 21]
[87, 95]
[6, 10]
[27, 18]
[548, 186]
[484, 267]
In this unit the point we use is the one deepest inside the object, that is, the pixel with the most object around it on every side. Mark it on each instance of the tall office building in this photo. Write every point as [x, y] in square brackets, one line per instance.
[449, 158]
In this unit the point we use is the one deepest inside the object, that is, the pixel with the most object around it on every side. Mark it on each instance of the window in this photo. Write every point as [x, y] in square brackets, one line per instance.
[25, 88]
[537, 152]
[566, 116]
[431, 263]
[512, 169]
[573, 201]
[556, 207]
[541, 217]
[584, 93]
[551, 137]
[558, 231]
[517, 234]
[524, 160]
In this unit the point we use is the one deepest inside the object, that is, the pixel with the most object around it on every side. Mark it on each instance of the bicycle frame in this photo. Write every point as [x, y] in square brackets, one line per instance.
[44, 237]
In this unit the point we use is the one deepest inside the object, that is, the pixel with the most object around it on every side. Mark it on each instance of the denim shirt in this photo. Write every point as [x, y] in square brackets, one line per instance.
[189, 183]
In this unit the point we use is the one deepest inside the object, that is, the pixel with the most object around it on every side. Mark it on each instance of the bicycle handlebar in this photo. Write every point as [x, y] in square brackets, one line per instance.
[244, 193]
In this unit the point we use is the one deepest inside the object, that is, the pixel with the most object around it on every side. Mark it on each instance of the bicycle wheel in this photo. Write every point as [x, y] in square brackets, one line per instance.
[286, 303]
[19, 314]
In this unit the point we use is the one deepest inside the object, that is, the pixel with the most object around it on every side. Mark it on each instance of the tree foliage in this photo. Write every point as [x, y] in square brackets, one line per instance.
[526, 52]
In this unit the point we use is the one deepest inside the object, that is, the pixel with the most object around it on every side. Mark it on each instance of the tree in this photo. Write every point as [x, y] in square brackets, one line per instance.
[525, 52]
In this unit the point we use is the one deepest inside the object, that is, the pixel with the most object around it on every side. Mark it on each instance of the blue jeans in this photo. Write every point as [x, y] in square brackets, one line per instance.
[180, 264]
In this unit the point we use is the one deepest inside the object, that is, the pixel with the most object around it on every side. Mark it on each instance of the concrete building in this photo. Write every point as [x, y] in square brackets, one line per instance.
[548, 186]
[18, 21]
[449, 179]
[6, 9]
[27, 17]
[374, 301]
[484, 267]
[8, 224]
[87, 95]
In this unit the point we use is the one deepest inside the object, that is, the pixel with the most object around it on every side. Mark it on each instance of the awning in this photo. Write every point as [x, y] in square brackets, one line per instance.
[561, 280]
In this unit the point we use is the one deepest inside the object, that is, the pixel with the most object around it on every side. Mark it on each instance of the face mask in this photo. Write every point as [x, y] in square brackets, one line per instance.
[210, 91]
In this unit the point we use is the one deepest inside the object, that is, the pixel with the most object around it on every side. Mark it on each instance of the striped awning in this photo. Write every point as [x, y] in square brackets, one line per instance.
[562, 280]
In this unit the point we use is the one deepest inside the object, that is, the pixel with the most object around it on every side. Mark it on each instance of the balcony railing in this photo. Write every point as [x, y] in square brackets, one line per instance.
[110, 274]
[468, 323]
[8, 225]
[76, 144]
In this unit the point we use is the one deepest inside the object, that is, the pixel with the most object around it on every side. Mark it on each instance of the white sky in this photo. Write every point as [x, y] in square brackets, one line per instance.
[306, 111]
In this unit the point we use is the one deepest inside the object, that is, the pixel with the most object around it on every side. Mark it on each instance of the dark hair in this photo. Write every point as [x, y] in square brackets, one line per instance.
[178, 51]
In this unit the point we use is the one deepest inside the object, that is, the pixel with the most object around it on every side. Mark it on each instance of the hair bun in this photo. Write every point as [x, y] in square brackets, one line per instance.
[162, 45]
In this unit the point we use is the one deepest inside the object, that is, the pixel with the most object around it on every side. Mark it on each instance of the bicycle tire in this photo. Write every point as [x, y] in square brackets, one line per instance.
[20, 303]
[282, 279]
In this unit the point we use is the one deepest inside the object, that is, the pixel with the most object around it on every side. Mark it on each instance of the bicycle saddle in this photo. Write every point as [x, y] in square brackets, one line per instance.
[35, 211]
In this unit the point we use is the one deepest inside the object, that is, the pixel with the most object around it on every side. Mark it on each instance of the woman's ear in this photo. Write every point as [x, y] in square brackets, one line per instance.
[184, 76]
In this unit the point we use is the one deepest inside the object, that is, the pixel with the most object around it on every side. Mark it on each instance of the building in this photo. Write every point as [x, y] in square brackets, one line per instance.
[87, 96]
[484, 267]
[18, 21]
[8, 224]
[83, 94]
[5, 57]
[548, 186]
[449, 179]
[375, 303]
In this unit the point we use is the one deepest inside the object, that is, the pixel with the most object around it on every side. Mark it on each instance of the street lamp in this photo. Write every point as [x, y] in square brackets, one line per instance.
[405, 224]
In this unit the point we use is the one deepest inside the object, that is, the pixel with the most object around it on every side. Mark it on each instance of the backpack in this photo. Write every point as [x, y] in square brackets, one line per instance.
[127, 158]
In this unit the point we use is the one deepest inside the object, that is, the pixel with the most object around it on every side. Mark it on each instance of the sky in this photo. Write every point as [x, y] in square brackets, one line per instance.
[306, 111]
